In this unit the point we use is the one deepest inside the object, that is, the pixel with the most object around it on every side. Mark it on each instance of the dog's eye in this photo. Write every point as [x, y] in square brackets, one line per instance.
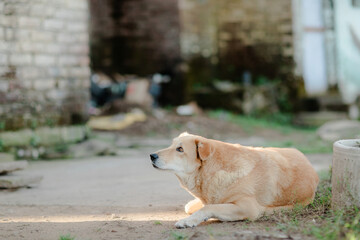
[180, 149]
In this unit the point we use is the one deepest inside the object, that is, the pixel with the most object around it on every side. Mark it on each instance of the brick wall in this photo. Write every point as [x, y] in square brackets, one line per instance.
[44, 63]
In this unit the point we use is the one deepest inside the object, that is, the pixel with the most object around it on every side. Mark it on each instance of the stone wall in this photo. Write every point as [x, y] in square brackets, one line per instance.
[44, 63]
[239, 36]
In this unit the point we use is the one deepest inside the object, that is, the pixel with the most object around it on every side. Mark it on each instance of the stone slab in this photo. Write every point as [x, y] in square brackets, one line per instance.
[45, 135]
[6, 167]
[18, 181]
[337, 130]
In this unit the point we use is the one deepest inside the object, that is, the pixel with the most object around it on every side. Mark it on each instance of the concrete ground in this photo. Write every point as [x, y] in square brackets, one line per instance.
[120, 197]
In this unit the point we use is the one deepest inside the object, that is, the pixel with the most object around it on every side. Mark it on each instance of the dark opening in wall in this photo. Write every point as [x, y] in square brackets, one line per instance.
[140, 37]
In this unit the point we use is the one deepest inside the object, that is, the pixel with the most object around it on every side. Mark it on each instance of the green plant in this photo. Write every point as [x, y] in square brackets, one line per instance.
[178, 236]
[304, 139]
[34, 140]
[33, 124]
[66, 237]
[50, 122]
[317, 219]
[2, 125]
[157, 223]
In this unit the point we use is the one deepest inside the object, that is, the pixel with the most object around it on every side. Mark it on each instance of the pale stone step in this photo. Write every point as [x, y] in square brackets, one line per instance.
[17, 181]
[6, 167]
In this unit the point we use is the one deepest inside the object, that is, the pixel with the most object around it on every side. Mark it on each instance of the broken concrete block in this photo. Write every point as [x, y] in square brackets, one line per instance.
[6, 167]
[45, 136]
[18, 181]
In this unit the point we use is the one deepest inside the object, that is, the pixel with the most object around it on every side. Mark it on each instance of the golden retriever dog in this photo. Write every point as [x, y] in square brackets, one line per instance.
[231, 182]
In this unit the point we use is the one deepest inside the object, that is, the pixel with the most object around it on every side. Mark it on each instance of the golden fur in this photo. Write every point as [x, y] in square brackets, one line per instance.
[232, 182]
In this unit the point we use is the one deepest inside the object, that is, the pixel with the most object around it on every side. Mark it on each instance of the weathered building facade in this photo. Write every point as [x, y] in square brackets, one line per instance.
[44, 63]
[45, 47]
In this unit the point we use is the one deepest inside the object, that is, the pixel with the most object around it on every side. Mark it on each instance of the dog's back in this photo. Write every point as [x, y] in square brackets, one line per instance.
[300, 177]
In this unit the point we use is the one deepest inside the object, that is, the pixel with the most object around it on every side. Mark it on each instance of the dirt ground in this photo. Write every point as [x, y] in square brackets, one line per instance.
[124, 197]
[112, 198]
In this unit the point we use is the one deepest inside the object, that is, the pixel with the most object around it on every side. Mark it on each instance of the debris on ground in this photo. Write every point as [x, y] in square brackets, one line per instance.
[18, 181]
[10, 178]
[131, 89]
[137, 92]
[8, 167]
[118, 121]
[189, 109]
[337, 130]
[244, 235]
[92, 147]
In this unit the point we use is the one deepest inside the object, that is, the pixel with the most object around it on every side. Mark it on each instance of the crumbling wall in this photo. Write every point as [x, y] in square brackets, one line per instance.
[255, 36]
[238, 36]
[246, 42]
[134, 36]
[44, 63]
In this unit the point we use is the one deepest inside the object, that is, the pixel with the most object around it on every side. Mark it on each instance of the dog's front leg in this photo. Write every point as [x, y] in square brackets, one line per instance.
[223, 212]
[193, 206]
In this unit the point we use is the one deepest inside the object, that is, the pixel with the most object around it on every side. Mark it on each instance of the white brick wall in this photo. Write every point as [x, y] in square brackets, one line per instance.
[3, 59]
[20, 59]
[43, 47]
[54, 24]
[44, 60]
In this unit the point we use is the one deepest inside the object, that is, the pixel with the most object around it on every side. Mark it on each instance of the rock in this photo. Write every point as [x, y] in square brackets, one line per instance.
[226, 86]
[44, 136]
[337, 130]
[18, 181]
[318, 118]
[199, 236]
[188, 109]
[6, 157]
[245, 235]
[6, 167]
[92, 147]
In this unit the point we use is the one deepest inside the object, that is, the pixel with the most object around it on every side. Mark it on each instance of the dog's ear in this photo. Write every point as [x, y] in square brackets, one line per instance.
[204, 149]
[184, 134]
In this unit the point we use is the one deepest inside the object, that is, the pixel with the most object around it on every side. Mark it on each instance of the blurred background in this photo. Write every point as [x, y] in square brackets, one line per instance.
[98, 85]
[154, 68]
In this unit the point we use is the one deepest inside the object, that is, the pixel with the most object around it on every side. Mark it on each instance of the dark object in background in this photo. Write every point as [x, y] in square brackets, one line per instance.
[155, 87]
[104, 90]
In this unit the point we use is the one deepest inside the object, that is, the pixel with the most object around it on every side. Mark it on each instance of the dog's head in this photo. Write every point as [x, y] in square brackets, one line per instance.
[185, 155]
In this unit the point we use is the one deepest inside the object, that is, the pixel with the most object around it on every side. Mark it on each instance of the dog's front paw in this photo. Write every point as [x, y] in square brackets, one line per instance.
[188, 222]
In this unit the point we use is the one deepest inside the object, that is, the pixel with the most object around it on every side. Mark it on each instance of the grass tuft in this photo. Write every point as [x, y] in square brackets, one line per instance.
[178, 236]
[317, 219]
[304, 139]
[66, 237]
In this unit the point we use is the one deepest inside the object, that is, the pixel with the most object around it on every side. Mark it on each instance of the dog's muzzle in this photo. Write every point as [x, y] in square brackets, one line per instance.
[153, 158]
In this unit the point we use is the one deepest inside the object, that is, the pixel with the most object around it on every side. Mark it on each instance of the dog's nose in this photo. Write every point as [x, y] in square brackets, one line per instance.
[153, 157]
